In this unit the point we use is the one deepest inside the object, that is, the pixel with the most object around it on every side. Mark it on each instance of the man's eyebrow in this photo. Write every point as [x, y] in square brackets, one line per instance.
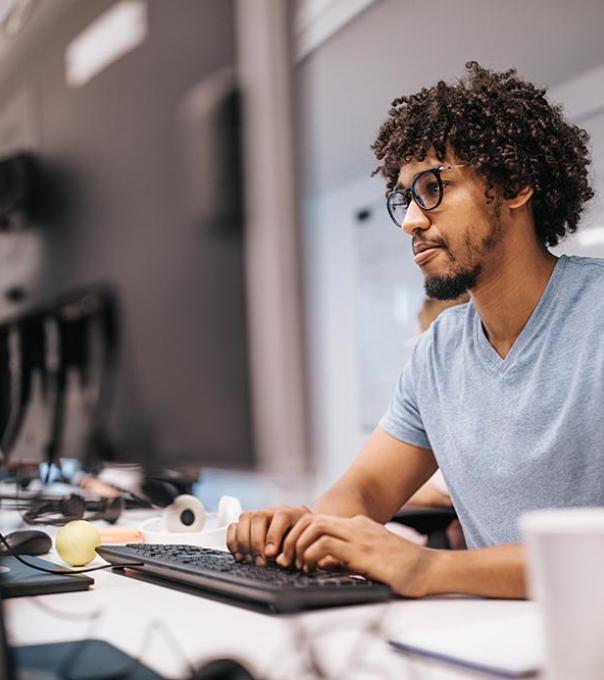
[401, 187]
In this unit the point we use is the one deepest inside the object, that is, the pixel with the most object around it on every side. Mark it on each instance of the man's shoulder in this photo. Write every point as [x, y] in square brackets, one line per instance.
[587, 265]
[585, 277]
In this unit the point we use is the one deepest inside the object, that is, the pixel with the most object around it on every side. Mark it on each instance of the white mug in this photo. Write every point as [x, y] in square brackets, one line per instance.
[565, 552]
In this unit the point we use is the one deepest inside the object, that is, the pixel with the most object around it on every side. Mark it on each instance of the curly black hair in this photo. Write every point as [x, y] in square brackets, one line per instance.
[507, 131]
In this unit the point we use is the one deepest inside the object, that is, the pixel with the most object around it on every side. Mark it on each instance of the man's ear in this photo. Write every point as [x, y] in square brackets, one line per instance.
[521, 198]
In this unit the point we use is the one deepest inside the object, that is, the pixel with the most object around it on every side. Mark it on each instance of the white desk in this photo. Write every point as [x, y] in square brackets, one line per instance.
[268, 645]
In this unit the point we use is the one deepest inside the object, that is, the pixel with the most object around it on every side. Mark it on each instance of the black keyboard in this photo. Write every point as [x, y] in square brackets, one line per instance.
[281, 590]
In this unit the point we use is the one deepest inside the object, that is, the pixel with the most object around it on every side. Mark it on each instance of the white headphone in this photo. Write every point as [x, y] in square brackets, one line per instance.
[185, 514]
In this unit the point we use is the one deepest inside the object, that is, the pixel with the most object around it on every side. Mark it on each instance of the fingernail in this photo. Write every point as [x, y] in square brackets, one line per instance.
[260, 562]
[238, 556]
[269, 548]
[282, 560]
[249, 558]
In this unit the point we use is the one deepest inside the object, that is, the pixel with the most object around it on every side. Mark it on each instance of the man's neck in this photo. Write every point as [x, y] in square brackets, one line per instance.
[508, 293]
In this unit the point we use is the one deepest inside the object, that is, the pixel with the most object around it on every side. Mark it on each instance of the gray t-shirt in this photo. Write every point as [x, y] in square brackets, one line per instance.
[519, 433]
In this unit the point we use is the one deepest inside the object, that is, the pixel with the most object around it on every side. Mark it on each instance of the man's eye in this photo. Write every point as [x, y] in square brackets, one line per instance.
[431, 188]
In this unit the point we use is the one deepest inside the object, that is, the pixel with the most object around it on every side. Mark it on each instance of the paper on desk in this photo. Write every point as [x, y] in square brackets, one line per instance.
[509, 647]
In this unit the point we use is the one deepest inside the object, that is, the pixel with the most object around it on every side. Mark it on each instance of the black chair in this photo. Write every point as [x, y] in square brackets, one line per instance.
[432, 522]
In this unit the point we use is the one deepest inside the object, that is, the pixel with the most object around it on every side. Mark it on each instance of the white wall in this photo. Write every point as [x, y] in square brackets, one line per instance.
[583, 100]
[362, 299]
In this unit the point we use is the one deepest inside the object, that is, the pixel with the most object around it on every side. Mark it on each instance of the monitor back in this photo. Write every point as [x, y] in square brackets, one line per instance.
[139, 202]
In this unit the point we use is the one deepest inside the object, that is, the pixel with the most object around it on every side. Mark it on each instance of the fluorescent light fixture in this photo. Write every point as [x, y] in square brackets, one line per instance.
[6, 7]
[590, 237]
[14, 15]
[111, 36]
[317, 20]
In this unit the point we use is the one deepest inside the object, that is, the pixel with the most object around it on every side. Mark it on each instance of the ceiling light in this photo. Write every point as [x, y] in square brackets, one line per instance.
[14, 14]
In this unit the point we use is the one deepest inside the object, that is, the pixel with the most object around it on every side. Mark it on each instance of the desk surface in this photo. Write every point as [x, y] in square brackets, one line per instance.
[167, 628]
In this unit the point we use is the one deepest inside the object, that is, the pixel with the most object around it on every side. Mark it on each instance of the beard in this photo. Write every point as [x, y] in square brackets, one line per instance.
[451, 287]
[464, 279]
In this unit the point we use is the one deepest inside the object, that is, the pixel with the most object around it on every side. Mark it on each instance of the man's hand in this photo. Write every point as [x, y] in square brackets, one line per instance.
[361, 546]
[258, 535]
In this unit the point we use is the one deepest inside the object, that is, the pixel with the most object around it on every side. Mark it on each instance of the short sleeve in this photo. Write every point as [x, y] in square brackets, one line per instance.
[402, 419]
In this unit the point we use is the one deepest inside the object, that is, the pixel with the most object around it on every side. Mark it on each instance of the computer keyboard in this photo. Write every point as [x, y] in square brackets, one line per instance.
[281, 590]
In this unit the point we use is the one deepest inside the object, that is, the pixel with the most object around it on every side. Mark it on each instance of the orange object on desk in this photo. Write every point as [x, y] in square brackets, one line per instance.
[121, 535]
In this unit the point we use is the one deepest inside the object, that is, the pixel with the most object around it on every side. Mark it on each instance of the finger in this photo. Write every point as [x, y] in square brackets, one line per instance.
[231, 540]
[282, 520]
[338, 527]
[326, 546]
[329, 562]
[286, 558]
[243, 537]
[257, 536]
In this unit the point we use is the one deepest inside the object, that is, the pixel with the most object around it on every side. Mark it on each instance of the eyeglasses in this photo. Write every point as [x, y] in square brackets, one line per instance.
[426, 190]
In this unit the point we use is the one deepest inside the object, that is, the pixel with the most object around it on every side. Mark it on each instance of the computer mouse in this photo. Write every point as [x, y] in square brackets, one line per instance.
[27, 542]
[222, 669]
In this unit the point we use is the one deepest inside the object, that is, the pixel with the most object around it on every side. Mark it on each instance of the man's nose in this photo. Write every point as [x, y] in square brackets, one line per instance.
[415, 218]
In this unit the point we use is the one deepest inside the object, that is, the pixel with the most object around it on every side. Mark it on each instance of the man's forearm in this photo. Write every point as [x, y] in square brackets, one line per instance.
[342, 502]
[498, 571]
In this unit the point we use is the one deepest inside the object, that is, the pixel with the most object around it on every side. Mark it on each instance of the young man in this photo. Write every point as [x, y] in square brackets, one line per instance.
[505, 393]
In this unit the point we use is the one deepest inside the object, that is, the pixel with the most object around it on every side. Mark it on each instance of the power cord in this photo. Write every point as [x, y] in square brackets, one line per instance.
[154, 627]
[73, 617]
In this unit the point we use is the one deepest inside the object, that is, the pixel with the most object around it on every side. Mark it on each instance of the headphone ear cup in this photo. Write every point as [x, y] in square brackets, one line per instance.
[160, 492]
[113, 509]
[185, 514]
[32, 516]
[72, 506]
[229, 509]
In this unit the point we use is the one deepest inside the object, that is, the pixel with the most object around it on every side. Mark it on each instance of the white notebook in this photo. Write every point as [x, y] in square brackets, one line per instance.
[510, 647]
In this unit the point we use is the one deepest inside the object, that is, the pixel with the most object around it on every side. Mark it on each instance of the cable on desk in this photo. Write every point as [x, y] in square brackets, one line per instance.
[315, 668]
[170, 638]
[125, 672]
[66, 616]
[69, 660]
[64, 572]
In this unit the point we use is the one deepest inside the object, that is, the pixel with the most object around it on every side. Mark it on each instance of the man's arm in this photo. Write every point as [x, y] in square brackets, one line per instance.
[498, 571]
[385, 475]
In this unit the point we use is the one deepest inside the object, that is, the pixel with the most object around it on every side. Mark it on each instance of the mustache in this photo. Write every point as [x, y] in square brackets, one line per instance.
[419, 244]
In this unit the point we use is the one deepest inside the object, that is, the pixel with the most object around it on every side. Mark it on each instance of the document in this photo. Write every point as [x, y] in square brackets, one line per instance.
[510, 647]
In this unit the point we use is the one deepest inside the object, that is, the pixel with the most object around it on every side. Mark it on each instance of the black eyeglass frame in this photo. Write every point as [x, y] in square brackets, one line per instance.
[409, 193]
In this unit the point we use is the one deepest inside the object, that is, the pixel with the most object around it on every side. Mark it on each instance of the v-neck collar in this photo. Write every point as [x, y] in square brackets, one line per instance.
[531, 328]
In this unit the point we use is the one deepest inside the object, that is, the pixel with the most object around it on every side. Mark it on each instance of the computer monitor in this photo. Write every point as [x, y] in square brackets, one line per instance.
[6, 660]
[150, 281]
